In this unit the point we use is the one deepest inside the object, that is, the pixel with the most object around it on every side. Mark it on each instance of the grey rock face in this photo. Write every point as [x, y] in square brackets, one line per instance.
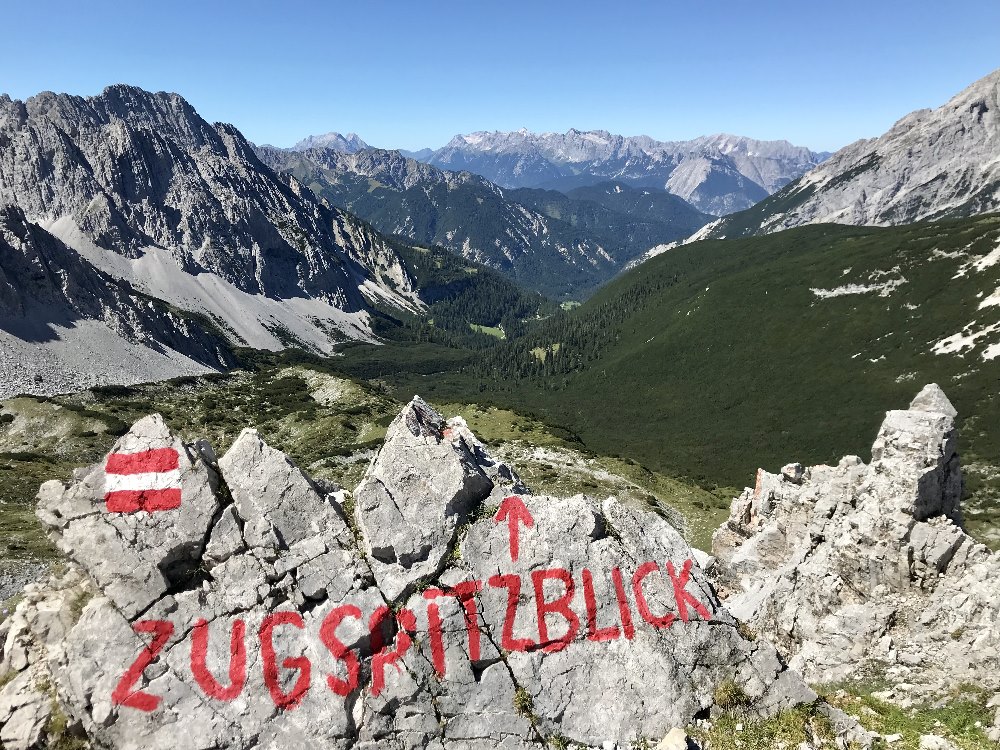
[134, 190]
[135, 556]
[443, 612]
[408, 519]
[132, 168]
[933, 163]
[46, 288]
[854, 565]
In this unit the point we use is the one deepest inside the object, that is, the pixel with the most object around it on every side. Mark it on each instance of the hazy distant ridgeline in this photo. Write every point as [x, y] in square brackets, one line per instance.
[561, 244]
[717, 174]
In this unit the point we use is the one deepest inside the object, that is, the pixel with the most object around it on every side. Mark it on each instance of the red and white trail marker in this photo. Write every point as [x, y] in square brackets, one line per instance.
[148, 480]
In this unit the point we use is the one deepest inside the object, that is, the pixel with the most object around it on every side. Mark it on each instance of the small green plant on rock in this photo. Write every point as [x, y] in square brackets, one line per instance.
[789, 729]
[61, 736]
[523, 703]
[730, 696]
[746, 631]
[79, 602]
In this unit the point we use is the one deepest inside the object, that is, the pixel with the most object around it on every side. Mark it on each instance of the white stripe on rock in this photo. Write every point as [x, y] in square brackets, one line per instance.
[165, 480]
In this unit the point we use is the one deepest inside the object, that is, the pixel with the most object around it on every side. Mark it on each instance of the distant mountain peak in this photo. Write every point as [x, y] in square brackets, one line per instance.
[347, 144]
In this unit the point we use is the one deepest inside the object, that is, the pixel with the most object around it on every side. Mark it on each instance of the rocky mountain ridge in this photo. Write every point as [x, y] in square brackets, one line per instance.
[556, 243]
[130, 169]
[717, 174]
[932, 164]
[143, 190]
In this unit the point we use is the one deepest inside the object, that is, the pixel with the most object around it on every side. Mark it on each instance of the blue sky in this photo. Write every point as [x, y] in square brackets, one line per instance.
[412, 74]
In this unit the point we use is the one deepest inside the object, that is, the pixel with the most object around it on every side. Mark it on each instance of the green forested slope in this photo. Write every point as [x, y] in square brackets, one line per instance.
[718, 357]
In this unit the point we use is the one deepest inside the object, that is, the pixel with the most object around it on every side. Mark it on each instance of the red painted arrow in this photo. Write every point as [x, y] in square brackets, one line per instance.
[514, 511]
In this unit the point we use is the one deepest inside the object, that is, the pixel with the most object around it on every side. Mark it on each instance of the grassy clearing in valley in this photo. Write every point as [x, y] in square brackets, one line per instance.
[494, 331]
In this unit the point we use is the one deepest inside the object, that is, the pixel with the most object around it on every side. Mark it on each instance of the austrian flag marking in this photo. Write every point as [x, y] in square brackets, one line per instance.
[147, 480]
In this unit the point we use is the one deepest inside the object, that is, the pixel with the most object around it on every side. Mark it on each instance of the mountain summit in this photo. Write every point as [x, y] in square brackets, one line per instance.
[149, 199]
[932, 164]
[346, 144]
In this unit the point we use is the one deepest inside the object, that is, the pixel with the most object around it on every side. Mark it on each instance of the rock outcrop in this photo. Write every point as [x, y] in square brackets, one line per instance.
[238, 603]
[852, 568]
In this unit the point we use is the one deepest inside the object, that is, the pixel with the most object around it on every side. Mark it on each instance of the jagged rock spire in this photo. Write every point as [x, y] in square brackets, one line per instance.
[852, 566]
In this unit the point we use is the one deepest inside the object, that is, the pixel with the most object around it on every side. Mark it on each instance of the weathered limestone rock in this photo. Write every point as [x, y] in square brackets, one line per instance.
[858, 565]
[135, 557]
[407, 518]
[934, 742]
[450, 610]
[915, 467]
[24, 710]
[675, 739]
[31, 641]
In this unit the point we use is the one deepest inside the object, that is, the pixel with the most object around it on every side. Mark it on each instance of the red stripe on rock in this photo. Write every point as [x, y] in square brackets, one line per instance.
[144, 462]
[133, 501]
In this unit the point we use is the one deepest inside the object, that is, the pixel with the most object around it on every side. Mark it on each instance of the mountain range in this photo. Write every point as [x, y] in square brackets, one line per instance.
[125, 205]
[717, 174]
[138, 241]
[562, 244]
[932, 164]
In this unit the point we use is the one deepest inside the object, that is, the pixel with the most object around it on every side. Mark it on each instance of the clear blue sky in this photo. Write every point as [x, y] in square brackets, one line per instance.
[412, 74]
